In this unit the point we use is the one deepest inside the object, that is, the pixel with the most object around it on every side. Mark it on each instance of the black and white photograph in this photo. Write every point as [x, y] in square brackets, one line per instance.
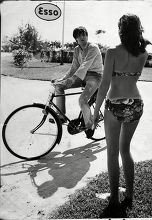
[76, 109]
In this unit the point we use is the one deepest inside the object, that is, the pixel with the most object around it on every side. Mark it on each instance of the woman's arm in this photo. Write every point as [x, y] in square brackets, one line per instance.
[105, 83]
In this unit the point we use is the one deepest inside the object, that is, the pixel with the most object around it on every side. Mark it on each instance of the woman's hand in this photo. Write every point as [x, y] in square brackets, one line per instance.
[95, 119]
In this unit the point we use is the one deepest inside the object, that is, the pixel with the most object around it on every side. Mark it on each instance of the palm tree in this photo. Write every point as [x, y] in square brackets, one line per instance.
[100, 31]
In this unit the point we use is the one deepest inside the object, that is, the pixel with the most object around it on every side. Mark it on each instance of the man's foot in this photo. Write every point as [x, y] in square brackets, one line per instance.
[89, 133]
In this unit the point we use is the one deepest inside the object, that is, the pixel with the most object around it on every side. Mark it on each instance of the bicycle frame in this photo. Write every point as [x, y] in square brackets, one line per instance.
[52, 130]
[50, 103]
[56, 107]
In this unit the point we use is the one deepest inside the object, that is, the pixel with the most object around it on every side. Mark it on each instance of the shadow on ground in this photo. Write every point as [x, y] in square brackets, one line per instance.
[65, 169]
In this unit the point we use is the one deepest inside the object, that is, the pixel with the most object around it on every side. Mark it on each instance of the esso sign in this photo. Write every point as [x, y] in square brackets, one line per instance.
[48, 11]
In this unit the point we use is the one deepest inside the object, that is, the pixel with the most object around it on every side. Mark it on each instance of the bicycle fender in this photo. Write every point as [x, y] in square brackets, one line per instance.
[38, 104]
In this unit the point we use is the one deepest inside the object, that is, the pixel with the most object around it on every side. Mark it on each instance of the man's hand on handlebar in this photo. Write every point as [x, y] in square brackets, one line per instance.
[54, 81]
[69, 81]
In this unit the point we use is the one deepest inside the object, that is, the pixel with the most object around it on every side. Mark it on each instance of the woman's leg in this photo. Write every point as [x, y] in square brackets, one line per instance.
[126, 134]
[112, 132]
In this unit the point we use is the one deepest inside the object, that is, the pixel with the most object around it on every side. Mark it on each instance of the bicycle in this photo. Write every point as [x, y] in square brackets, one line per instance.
[37, 124]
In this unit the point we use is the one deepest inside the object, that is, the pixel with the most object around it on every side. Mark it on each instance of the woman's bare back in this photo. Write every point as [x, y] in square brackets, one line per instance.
[128, 69]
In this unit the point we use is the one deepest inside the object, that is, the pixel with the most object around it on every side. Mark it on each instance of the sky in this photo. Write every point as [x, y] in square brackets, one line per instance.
[93, 15]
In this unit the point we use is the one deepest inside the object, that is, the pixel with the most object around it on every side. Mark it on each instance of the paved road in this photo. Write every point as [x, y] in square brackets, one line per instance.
[40, 186]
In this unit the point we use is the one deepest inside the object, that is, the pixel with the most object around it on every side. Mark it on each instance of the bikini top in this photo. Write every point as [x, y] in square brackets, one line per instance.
[115, 73]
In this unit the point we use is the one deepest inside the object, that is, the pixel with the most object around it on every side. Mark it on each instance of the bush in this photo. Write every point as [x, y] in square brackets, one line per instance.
[56, 57]
[67, 56]
[21, 57]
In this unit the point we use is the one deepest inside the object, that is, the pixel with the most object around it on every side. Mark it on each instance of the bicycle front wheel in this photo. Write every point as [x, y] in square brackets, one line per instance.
[28, 134]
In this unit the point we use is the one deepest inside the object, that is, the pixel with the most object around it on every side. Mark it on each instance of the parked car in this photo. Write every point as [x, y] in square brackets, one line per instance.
[149, 61]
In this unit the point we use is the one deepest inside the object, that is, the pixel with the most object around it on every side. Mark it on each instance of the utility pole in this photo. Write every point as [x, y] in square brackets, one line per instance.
[62, 50]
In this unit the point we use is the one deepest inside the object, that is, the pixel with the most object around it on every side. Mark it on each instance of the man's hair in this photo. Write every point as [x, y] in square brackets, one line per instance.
[78, 31]
[130, 32]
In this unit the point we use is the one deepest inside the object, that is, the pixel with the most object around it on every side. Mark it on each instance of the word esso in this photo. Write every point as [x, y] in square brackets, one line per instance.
[48, 11]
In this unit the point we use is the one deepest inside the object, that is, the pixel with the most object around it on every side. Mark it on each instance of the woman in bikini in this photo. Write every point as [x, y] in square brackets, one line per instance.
[123, 107]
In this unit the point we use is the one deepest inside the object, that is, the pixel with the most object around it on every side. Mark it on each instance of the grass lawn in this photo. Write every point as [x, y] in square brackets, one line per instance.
[85, 204]
[45, 71]
[34, 70]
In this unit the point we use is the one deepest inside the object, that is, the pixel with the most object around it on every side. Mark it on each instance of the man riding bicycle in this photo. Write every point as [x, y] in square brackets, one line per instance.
[86, 70]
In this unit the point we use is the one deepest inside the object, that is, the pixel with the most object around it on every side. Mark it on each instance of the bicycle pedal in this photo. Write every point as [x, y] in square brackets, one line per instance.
[51, 120]
[63, 121]
[81, 128]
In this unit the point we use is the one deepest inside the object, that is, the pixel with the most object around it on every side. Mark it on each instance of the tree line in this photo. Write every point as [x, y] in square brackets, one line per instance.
[28, 38]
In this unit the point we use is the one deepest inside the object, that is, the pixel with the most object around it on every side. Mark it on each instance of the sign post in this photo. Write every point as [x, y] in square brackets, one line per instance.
[62, 51]
[51, 12]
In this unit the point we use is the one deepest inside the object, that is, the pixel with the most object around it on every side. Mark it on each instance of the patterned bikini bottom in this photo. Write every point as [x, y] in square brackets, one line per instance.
[125, 110]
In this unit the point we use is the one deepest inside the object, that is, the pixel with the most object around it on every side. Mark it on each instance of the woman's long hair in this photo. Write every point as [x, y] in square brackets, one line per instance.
[130, 32]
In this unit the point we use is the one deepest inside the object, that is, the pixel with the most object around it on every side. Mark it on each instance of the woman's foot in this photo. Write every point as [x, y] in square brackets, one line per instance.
[113, 210]
[126, 203]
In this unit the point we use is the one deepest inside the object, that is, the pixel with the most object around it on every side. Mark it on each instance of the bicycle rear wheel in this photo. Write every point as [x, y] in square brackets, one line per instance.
[28, 134]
